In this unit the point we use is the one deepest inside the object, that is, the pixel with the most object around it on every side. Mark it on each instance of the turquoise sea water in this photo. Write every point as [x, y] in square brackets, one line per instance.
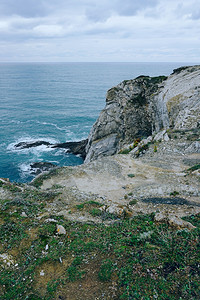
[56, 102]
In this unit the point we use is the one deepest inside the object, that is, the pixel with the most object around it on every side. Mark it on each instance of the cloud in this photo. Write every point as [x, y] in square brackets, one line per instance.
[48, 30]
[102, 10]
[24, 8]
[99, 30]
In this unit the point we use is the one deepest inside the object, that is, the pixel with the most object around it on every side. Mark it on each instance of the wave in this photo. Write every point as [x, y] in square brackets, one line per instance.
[65, 128]
[27, 139]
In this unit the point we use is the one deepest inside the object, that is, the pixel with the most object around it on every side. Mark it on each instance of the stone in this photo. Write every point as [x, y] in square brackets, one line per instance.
[23, 214]
[42, 273]
[173, 221]
[60, 229]
[166, 137]
[179, 223]
[160, 136]
[193, 148]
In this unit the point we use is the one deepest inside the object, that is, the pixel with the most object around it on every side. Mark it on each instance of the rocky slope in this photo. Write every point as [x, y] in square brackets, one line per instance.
[140, 107]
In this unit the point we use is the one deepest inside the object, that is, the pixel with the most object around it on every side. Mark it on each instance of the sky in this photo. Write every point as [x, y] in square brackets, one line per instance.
[100, 31]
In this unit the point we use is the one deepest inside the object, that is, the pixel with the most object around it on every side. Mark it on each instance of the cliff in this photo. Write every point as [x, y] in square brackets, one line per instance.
[140, 107]
[95, 231]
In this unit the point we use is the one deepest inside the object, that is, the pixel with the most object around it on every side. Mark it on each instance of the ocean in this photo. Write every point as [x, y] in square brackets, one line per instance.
[55, 102]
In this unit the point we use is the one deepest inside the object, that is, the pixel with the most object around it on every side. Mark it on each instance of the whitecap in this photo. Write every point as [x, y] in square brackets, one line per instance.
[27, 139]
[25, 168]
[65, 128]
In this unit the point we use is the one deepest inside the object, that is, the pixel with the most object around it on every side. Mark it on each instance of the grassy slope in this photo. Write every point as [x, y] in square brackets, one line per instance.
[130, 259]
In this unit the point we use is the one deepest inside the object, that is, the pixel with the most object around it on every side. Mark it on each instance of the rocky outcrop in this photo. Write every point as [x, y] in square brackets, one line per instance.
[76, 148]
[27, 145]
[138, 108]
[39, 167]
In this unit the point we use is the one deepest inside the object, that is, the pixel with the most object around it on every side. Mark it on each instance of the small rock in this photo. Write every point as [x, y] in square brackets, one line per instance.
[160, 135]
[42, 273]
[178, 222]
[166, 137]
[23, 214]
[60, 229]
[159, 217]
[50, 221]
[173, 221]
[145, 235]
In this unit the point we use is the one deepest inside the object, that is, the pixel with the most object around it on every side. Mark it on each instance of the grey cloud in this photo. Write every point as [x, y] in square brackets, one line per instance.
[95, 10]
[25, 8]
[129, 8]
[101, 10]
[190, 9]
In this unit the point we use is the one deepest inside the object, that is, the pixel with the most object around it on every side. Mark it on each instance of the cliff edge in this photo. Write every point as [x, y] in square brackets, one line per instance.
[138, 108]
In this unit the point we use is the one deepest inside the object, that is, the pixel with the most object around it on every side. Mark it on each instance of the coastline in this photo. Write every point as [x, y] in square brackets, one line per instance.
[121, 225]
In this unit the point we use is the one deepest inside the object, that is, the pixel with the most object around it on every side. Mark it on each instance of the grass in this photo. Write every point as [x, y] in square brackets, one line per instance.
[140, 258]
[194, 168]
[133, 202]
[174, 193]
[131, 175]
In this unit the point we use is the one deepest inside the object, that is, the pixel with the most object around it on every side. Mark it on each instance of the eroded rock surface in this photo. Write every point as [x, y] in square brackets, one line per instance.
[165, 180]
[143, 106]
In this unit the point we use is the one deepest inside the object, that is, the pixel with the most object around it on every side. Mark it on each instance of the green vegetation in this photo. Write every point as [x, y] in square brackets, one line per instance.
[133, 202]
[128, 259]
[88, 205]
[194, 168]
[131, 175]
[174, 193]
[124, 151]
[131, 147]
[105, 271]
[95, 212]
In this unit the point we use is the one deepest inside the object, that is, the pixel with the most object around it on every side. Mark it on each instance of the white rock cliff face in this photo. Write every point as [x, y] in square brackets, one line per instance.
[140, 107]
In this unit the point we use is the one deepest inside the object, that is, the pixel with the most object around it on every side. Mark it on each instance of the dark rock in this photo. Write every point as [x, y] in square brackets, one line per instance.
[39, 167]
[71, 147]
[170, 201]
[74, 147]
[25, 145]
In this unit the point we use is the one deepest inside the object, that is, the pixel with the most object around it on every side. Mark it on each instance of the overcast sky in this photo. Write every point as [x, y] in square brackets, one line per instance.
[100, 30]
